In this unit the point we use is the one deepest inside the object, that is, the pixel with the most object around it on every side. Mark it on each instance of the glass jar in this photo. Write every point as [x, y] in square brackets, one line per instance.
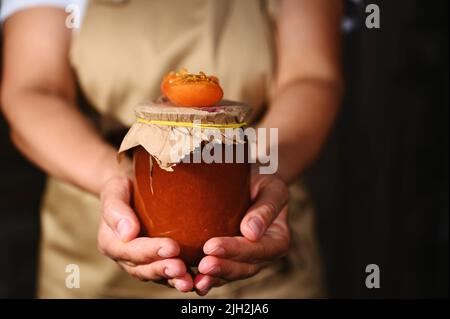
[191, 204]
[192, 201]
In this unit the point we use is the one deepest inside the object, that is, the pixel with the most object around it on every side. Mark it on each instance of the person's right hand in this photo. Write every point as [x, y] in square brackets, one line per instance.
[142, 257]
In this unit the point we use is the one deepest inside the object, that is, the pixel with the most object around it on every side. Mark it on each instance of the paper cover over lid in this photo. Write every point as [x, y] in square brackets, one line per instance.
[169, 133]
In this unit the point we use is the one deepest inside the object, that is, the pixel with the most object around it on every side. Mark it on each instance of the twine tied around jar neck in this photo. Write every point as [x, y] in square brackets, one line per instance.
[192, 124]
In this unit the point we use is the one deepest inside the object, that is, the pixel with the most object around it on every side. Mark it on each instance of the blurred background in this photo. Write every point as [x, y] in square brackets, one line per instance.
[380, 187]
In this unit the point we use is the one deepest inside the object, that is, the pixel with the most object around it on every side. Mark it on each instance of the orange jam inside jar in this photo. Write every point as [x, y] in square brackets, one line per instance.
[195, 202]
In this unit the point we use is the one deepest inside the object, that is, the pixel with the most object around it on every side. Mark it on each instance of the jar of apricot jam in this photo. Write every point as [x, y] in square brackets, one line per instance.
[191, 204]
[188, 201]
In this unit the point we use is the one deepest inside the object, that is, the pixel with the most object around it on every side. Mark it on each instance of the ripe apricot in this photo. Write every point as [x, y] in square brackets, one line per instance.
[191, 90]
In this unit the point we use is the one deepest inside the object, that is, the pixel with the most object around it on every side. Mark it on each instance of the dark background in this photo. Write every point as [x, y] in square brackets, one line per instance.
[381, 186]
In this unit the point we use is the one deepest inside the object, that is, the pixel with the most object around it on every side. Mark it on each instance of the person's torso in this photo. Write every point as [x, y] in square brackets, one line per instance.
[124, 48]
[119, 57]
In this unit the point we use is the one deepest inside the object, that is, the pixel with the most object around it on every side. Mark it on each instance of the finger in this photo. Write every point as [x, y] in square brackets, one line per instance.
[204, 283]
[184, 283]
[116, 211]
[271, 196]
[270, 247]
[142, 250]
[227, 269]
[167, 268]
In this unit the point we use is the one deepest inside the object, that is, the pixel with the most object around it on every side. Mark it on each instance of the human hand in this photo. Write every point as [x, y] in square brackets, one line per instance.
[265, 238]
[145, 258]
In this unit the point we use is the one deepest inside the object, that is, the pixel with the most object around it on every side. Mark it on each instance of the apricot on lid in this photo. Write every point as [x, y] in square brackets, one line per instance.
[191, 90]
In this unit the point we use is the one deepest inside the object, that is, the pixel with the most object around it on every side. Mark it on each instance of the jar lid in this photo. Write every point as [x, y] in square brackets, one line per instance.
[169, 133]
[225, 112]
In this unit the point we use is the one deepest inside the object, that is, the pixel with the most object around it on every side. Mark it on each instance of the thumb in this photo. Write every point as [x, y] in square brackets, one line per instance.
[271, 196]
[116, 210]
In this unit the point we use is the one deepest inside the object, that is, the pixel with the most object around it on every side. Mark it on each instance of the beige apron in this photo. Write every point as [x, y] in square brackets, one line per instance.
[119, 56]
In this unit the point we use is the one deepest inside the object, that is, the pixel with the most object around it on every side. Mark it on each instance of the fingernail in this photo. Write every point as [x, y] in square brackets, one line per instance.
[202, 284]
[129, 263]
[216, 251]
[214, 270]
[169, 272]
[166, 252]
[181, 286]
[123, 228]
[256, 226]
[204, 291]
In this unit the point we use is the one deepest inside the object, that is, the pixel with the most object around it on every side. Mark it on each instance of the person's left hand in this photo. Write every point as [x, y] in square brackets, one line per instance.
[265, 238]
